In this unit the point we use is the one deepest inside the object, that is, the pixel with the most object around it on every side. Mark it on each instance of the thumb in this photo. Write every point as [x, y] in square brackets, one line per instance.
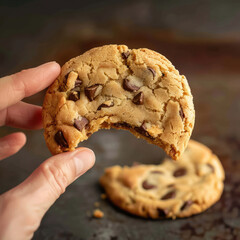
[33, 197]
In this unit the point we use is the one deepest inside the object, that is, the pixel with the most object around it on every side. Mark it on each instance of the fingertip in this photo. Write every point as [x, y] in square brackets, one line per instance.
[11, 144]
[84, 159]
[53, 65]
[89, 152]
[52, 69]
[17, 141]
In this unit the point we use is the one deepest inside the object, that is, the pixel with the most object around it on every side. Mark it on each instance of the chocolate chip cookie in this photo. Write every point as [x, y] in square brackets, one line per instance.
[169, 190]
[114, 86]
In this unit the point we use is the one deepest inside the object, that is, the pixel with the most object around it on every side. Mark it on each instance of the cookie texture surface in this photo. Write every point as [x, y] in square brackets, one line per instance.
[113, 86]
[169, 190]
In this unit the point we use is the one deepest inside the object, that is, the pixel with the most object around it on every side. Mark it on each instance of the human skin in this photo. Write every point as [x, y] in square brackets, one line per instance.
[22, 208]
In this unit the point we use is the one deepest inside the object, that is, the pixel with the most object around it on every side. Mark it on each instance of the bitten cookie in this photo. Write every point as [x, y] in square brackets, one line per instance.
[169, 190]
[113, 86]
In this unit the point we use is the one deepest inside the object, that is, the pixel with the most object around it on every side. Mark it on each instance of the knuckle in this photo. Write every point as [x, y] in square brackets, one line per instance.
[56, 177]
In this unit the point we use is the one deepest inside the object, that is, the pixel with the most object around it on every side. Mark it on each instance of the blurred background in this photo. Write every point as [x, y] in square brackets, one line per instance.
[201, 38]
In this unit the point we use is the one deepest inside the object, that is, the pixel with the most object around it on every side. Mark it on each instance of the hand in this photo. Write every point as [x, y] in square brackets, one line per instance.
[22, 208]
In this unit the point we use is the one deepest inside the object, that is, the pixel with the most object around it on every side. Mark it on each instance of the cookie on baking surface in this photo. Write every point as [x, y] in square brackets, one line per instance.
[113, 86]
[172, 189]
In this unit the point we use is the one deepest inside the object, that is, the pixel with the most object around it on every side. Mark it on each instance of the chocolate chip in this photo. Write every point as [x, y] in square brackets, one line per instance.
[186, 205]
[181, 113]
[77, 87]
[211, 167]
[180, 172]
[152, 71]
[125, 55]
[169, 195]
[171, 185]
[80, 123]
[60, 140]
[147, 185]
[103, 105]
[78, 83]
[122, 125]
[144, 126]
[143, 130]
[156, 172]
[162, 212]
[63, 85]
[138, 99]
[127, 85]
[74, 96]
[91, 92]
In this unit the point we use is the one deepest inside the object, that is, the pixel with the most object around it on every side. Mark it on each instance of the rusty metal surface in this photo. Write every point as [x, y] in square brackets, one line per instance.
[212, 68]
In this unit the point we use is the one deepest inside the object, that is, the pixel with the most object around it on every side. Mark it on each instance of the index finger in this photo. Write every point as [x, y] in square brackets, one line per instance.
[15, 87]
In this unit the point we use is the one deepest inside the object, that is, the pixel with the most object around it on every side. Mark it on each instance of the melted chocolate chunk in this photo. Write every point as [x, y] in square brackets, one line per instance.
[74, 96]
[181, 113]
[169, 195]
[211, 167]
[171, 185]
[77, 87]
[80, 123]
[162, 212]
[125, 55]
[122, 125]
[143, 130]
[60, 140]
[91, 92]
[138, 99]
[127, 85]
[157, 172]
[152, 71]
[103, 105]
[180, 172]
[186, 205]
[78, 83]
[63, 85]
[147, 185]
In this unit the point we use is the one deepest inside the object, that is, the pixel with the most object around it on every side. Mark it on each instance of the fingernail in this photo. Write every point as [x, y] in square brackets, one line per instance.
[84, 159]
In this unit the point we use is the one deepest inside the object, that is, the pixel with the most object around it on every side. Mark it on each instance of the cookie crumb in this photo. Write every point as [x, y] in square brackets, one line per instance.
[98, 213]
[103, 196]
